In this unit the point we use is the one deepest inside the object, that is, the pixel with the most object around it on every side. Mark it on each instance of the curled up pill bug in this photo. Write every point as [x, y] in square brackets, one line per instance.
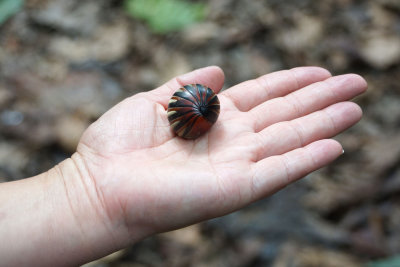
[192, 110]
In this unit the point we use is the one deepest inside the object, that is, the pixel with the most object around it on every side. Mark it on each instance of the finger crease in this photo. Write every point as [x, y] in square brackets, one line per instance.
[329, 88]
[266, 88]
[313, 161]
[332, 121]
[294, 77]
[287, 169]
[261, 144]
[298, 133]
[294, 104]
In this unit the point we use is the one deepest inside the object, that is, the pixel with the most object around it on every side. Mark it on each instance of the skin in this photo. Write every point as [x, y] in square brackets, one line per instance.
[131, 177]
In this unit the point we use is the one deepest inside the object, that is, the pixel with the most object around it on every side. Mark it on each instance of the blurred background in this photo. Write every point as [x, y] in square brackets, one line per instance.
[64, 63]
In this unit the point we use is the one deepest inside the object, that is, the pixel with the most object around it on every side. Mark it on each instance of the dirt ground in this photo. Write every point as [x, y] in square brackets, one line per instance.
[64, 63]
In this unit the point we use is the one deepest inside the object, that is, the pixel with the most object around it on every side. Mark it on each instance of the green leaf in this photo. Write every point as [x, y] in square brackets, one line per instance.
[389, 262]
[164, 16]
[9, 8]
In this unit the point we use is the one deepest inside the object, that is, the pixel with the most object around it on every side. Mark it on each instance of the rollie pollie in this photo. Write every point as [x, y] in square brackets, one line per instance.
[192, 110]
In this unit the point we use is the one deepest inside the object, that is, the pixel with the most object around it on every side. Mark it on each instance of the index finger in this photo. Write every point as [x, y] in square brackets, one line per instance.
[250, 94]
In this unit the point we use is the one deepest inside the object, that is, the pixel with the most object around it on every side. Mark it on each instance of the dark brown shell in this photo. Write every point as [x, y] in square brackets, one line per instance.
[192, 110]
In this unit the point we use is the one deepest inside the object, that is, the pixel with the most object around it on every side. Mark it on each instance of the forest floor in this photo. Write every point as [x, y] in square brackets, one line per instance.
[64, 63]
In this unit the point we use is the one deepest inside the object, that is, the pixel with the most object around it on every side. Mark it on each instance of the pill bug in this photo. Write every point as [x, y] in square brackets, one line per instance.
[192, 110]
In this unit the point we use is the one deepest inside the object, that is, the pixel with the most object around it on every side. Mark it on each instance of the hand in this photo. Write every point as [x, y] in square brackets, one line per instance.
[271, 131]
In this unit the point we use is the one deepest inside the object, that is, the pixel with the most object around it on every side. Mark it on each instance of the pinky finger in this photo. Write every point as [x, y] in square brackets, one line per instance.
[273, 173]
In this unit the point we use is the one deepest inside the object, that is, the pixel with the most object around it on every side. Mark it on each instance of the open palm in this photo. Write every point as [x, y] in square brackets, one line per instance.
[271, 132]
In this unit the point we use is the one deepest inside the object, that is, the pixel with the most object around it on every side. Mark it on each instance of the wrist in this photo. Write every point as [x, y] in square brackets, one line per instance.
[56, 219]
[84, 216]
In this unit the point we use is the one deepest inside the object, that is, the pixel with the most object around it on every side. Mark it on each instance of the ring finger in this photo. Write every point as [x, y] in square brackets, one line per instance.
[286, 136]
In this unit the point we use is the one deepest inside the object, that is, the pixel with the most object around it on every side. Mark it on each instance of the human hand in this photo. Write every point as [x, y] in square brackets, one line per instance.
[142, 179]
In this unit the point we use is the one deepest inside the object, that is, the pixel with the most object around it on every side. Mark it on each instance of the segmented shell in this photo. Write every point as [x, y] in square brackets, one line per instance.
[192, 110]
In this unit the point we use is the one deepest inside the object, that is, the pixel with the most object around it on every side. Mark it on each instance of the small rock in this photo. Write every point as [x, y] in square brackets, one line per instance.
[381, 51]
